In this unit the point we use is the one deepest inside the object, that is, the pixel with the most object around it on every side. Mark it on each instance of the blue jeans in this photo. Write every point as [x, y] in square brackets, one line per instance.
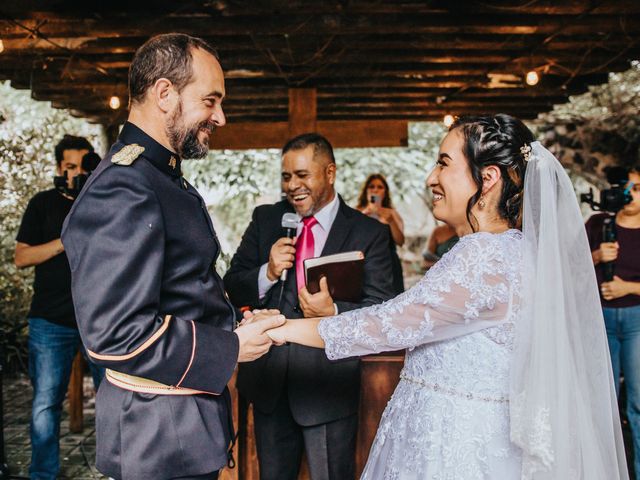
[52, 348]
[623, 333]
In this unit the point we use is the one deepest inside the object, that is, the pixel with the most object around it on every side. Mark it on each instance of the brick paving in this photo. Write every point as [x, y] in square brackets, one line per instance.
[77, 450]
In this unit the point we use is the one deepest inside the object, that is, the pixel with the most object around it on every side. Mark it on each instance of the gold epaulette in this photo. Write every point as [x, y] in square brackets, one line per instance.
[127, 155]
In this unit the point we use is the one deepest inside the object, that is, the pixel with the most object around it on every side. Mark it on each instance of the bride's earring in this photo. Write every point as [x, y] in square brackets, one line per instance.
[481, 202]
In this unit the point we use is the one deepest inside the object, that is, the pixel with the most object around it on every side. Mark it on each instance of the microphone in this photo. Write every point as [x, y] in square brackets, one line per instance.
[290, 225]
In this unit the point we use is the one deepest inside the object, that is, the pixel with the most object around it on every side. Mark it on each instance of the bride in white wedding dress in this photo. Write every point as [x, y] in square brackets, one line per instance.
[507, 373]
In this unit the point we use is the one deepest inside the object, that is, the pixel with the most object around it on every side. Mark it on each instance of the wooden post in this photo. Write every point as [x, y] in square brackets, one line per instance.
[76, 419]
[302, 111]
[379, 376]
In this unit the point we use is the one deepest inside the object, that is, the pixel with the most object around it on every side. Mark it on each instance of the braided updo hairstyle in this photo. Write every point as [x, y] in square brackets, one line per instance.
[496, 140]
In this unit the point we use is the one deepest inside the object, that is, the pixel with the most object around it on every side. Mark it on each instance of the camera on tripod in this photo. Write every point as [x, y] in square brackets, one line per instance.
[612, 200]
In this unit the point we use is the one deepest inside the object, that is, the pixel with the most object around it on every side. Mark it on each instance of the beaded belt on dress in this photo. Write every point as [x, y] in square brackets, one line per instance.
[450, 391]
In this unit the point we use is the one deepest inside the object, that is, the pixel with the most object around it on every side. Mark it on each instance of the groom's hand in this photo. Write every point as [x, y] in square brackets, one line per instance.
[253, 340]
[251, 316]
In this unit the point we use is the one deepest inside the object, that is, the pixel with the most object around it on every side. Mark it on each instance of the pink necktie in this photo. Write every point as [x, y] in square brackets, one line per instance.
[304, 248]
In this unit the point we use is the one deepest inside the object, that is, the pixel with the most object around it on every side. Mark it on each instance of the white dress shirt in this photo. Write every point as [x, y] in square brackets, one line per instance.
[325, 217]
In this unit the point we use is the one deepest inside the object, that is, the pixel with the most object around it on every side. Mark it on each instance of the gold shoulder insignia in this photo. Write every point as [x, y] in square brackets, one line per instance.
[127, 155]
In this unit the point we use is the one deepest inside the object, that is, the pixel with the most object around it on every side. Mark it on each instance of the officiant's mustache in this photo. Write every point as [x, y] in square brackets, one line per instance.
[297, 191]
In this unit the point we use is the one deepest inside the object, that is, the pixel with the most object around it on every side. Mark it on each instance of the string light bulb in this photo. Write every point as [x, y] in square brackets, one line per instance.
[448, 120]
[532, 78]
[114, 102]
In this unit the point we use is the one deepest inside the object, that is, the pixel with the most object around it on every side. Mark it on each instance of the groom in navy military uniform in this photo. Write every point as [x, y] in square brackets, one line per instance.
[301, 399]
[149, 303]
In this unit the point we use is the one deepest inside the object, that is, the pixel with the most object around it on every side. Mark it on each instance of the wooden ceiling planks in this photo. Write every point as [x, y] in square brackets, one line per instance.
[368, 60]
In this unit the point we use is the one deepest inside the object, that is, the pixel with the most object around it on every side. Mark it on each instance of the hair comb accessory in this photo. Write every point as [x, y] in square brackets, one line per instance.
[525, 150]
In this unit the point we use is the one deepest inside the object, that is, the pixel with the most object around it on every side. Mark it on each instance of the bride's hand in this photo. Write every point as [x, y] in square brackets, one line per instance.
[277, 335]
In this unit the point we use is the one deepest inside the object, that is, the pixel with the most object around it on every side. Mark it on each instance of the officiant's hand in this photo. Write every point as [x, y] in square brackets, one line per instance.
[317, 304]
[281, 257]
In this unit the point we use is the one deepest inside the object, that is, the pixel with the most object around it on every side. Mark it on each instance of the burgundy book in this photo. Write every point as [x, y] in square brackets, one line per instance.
[344, 272]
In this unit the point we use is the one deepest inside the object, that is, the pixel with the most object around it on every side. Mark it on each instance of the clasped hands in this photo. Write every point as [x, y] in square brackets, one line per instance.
[257, 332]
[260, 329]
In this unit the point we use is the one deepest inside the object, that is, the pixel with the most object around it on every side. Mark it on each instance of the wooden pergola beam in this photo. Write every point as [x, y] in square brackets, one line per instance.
[44, 8]
[341, 134]
[436, 60]
[365, 59]
[304, 24]
[231, 48]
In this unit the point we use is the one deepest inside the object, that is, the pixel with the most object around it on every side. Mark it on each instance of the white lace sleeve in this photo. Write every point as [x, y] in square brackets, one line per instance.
[469, 289]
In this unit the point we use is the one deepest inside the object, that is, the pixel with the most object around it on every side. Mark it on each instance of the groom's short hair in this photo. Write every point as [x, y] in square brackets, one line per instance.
[164, 56]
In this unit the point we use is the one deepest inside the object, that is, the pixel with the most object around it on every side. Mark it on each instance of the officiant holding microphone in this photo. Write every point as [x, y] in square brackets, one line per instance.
[303, 401]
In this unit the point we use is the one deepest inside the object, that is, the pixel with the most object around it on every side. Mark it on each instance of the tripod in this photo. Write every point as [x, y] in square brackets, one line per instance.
[5, 473]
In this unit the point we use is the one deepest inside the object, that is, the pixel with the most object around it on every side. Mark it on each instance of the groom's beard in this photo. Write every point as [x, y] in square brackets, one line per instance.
[184, 139]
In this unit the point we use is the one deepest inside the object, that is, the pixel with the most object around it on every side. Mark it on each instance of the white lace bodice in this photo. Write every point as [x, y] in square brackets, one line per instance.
[448, 418]
[475, 286]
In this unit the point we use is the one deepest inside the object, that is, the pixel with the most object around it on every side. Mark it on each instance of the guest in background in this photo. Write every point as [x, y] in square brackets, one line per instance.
[375, 202]
[441, 240]
[53, 332]
[620, 299]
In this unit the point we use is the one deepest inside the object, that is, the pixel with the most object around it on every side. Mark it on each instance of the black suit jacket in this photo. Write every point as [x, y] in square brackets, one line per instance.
[319, 390]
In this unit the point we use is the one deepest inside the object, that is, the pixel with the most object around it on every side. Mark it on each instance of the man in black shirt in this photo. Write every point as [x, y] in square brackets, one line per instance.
[53, 333]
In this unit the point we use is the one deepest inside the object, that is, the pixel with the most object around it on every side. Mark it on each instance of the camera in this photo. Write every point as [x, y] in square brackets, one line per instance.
[374, 199]
[61, 182]
[612, 200]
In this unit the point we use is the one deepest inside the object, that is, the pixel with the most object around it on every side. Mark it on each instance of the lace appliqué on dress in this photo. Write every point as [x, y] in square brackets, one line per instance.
[480, 268]
[538, 439]
[449, 416]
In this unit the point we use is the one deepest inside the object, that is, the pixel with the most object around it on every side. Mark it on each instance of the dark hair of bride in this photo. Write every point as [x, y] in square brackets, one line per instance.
[496, 140]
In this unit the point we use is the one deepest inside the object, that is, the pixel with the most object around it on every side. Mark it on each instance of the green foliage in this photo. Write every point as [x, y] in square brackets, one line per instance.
[29, 131]
[603, 125]
[607, 105]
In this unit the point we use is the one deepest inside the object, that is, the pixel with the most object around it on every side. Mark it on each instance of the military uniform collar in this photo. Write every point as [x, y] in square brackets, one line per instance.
[162, 158]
